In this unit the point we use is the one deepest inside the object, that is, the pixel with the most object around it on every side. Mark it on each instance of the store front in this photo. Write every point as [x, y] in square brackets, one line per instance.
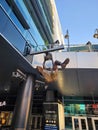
[81, 117]
[79, 122]
[95, 123]
[82, 123]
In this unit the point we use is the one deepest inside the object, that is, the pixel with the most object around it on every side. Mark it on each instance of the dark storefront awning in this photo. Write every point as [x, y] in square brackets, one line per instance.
[11, 60]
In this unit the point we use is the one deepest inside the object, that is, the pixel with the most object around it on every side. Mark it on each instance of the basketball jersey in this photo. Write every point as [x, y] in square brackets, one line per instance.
[48, 64]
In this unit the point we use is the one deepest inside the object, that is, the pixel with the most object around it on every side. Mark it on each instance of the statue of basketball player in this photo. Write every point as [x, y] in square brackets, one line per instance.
[50, 69]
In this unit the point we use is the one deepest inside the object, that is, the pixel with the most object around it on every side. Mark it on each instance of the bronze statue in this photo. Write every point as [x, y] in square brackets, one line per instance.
[50, 69]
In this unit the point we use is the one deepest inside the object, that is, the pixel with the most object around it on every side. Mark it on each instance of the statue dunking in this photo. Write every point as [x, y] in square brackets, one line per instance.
[50, 68]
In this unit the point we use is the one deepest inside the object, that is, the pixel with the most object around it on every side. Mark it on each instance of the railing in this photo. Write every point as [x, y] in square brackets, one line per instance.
[74, 48]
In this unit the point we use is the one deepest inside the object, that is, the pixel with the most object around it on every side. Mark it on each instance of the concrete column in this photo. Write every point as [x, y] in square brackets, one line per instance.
[23, 105]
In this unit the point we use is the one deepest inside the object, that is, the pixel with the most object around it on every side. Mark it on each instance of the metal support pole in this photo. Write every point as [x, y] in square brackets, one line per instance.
[67, 37]
[68, 45]
[23, 105]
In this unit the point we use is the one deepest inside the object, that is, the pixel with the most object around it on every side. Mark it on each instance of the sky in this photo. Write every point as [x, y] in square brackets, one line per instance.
[80, 17]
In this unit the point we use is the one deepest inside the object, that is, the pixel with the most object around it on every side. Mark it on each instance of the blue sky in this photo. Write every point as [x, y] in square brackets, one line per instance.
[80, 17]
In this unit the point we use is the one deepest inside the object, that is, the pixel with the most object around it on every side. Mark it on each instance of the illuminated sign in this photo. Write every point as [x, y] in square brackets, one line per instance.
[2, 103]
[50, 111]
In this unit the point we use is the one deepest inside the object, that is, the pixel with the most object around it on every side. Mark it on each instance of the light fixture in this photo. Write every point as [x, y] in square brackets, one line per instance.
[96, 34]
[67, 37]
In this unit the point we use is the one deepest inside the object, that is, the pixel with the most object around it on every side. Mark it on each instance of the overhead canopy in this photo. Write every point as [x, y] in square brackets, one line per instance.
[11, 60]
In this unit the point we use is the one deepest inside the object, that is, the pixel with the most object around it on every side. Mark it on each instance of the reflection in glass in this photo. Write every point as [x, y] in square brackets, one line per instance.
[89, 123]
[76, 122]
[96, 124]
[83, 123]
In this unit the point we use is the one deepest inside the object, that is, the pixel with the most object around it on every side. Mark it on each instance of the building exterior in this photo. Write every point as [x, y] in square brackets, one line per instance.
[32, 20]
[28, 26]
[88, 47]
[78, 84]
[57, 35]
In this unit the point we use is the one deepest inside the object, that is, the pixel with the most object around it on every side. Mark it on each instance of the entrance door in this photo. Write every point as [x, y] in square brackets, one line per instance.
[95, 123]
[79, 123]
[36, 122]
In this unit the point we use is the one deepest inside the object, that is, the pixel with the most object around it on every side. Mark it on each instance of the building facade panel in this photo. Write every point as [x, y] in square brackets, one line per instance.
[77, 59]
[10, 31]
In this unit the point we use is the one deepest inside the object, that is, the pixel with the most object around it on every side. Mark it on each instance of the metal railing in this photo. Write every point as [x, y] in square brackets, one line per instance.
[73, 48]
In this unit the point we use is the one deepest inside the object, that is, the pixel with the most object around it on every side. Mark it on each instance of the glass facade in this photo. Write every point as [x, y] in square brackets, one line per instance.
[82, 111]
[73, 109]
[8, 29]
[30, 34]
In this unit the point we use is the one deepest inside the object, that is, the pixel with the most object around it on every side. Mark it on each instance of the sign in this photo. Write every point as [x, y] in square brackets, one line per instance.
[3, 103]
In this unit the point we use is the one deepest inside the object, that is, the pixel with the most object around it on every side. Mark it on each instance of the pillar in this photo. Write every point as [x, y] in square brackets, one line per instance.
[23, 105]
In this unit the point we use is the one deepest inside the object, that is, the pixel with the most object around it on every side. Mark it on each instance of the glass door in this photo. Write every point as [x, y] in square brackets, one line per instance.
[95, 123]
[79, 123]
[36, 122]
